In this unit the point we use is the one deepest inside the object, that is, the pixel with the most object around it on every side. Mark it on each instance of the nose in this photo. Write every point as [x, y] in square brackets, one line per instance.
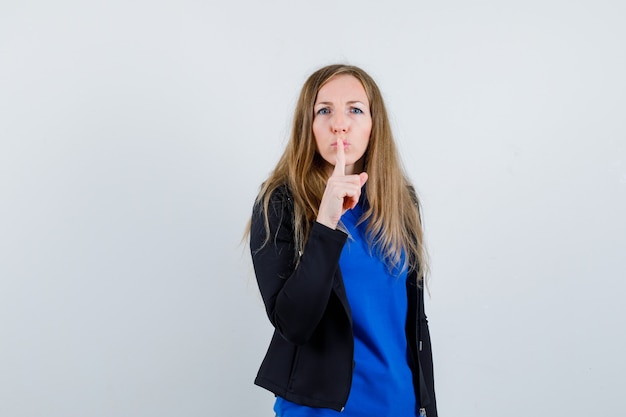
[339, 123]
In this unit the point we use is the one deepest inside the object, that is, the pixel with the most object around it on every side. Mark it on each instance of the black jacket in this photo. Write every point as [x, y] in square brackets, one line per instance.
[310, 357]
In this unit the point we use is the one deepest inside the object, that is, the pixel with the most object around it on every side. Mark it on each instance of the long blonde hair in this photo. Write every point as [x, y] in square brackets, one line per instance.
[393, 213]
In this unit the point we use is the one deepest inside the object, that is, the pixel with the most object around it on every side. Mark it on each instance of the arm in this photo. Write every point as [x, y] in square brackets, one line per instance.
[426, 357]
[295, 297]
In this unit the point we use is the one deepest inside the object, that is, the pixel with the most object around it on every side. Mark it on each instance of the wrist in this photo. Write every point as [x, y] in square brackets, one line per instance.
[326, 222]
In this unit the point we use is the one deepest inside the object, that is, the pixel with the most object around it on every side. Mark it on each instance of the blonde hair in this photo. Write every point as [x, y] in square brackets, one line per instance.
[393, 212]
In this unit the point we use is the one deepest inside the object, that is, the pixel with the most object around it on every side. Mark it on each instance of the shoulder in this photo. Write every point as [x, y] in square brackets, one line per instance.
[414, 199]
[275, 201]
[272, 217]
[412, 194]
[281, 194]
[272, 209]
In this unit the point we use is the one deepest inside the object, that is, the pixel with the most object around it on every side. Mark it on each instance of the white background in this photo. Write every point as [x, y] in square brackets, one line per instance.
[134, 136]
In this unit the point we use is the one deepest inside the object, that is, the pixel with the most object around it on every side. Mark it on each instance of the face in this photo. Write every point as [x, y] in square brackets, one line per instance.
[342, 110]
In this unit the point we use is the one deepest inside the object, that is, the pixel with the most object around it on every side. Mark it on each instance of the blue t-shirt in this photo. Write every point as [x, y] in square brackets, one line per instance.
[382, 382]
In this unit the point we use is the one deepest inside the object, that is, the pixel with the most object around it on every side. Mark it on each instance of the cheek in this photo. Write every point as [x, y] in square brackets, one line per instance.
[368, 128]
[317, 141]
[318, 135]
[316, 129]
[367, 133]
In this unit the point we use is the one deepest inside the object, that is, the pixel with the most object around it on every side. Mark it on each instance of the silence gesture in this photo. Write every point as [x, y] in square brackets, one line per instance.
[342, 191]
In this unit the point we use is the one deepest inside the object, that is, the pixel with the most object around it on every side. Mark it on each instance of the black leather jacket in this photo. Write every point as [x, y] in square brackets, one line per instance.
[310, 357]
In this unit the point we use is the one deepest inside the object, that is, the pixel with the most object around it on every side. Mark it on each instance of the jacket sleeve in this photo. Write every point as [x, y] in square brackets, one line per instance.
[426, 357]
[295, 297]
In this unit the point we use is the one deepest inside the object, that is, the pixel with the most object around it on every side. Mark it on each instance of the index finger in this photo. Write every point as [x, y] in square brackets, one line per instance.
[340, 161]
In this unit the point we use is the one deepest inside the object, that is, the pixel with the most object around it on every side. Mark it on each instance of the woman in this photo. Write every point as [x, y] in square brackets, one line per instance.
[338, 251]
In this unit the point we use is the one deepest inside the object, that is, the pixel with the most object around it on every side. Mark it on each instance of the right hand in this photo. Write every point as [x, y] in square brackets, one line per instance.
[342, 191]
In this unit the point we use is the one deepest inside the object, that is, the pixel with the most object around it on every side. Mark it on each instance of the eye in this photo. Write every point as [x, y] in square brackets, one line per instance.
[356, 110]
[323, 110]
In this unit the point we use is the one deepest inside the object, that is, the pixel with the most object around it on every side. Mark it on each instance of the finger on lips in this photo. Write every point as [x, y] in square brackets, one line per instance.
[345, 188]
[340, 162]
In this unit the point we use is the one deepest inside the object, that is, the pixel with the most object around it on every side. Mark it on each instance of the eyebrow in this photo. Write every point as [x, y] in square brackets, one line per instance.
[327, 103]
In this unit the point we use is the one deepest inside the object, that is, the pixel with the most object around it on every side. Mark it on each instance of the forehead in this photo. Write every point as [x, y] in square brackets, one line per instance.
[343, 87]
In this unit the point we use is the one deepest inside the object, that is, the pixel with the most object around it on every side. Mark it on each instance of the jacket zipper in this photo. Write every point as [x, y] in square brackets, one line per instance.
[421, 388]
